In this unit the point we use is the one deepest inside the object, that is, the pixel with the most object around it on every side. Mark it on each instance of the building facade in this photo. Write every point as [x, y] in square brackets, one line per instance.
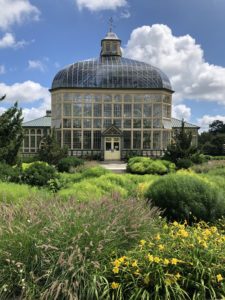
[110, 106]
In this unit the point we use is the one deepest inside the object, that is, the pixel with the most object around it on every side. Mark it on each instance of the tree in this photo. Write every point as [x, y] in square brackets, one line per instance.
[50, 150]
[217, 126]
[180, 147]
[11, 133]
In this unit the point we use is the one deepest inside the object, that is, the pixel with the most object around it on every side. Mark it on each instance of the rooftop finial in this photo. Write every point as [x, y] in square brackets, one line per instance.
[110, 24]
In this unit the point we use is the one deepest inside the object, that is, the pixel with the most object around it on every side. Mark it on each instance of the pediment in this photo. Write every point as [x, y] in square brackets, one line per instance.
[112, 131]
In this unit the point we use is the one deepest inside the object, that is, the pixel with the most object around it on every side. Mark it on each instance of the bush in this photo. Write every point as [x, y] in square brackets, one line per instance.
[187, 197]
[184, 163]
[65, 164]
[145, 165]
[38, 174]
[9, 173]
[198, 158]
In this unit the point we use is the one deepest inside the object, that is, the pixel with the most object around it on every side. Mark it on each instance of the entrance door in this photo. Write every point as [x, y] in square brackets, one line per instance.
[112, 148]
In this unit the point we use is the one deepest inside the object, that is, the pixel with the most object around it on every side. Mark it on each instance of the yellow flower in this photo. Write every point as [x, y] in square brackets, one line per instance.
[168, 281]
[183, 233]
[156, 259]
[116, 263]
[150, 258]
[219, 277]
[115, 270]
[114, 285]
[121, 259]
[134, 264]
[142, 242]
[161, 247]
[166, 261]
[175, 223]
[213, 229]
[174, 261]
[146, 280]
[157, 237]
[137, 272]
[207, 232]
[178, 276]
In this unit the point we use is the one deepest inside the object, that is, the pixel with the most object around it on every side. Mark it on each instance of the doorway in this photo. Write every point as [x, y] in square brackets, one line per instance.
[112, 148]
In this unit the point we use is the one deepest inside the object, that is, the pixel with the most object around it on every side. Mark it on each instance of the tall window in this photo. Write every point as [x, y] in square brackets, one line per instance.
[137, 139]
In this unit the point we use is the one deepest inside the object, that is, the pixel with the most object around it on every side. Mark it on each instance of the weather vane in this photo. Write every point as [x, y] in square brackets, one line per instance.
[110, 24]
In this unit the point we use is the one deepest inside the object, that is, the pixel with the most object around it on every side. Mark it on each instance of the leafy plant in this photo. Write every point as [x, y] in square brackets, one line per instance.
[65, 164]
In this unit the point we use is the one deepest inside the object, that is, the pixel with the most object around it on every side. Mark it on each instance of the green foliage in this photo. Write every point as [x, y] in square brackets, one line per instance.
[9, 173]
[187, 197]
[51, 151]
[11, 134]
[184, 163]
[38, 174]
[145, 165]
[65, 164]
[181, 146]
[46, 247]
[198, 158]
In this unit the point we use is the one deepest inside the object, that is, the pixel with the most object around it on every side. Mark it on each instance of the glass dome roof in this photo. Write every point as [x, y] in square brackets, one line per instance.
[111, 72]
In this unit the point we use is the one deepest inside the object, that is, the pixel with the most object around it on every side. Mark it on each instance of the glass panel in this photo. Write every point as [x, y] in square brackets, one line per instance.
[117, 110]
[117, 98]
[97, 98]
[32, 131]
[39, 131]
[157, 123]
[147, 111]
[147, 123]
[87, 98]
[67, 138]
[127, 98]
[166, 139]
[67, 123]
[97, 110]
[107, 123]
[138, 98]
[87, 140]
[32, 141]
[107, 110]
[77, 139]
[97, 140]
[26, 141]
[87, 110]
[67, 110]
[116, 146]
[157, 110]
[107, 98]
[87, 123]
[77, 123]
[137, 123]
[127, 110]
[127, 139]
[127, 123]
[137, 139]
[156, 140]
[38, 141]
[97, 123]
[77, 110]
[166, 111]
[147, 140]
[108, 146]
[77, 98]
[137, 110]
[117, 122]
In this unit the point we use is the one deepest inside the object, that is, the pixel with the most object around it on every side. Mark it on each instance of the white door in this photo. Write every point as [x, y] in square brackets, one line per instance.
[112, 148]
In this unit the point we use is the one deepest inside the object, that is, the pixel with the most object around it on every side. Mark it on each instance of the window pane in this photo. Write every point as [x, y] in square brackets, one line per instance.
[127, 98]
[87, 140]
[137, 139]
[67, 123]
[107, 110]
[67, 138]
[127, 123]
[97, 123]
[156, 140]
[147, 123]
[67, 110]
[87, 110]
[147, 112]
[77, 123]
[77, 139]
[137, 123]
[157, 123]
[87, 123]
[97, 140]
[157, 110]
[32, 141]
[127, 110]
[147, 140]
[166, 139]
[137, 110]
[127, 139]
[107, 123]
[117, 122]
[117, 110]
[97, 110]
[77, 110]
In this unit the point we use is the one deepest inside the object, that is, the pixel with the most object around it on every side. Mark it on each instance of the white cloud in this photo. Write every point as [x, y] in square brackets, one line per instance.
[125, 14]
[182, 59]
[207, 119]
[16, 11]
[35, 112]
[181, 111]
[2, 69]
[25, 92]
[2, 110]
[96, 5]
[9, 41]
[36, 64]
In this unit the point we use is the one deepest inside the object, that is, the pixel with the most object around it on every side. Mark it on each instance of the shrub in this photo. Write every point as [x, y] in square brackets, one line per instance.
[9, 173]
[187, 197]
[198, 158]
[145, 165]
[184, 163]
[65, 164]
[38, 174]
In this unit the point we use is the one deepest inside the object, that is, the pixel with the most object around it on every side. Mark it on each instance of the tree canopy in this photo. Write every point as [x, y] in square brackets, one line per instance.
[11, 133]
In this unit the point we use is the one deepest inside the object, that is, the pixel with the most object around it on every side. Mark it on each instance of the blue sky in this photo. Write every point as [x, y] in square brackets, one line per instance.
[185, 39]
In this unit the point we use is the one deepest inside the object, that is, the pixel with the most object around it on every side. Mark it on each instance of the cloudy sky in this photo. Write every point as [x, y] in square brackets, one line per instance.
[186, 39]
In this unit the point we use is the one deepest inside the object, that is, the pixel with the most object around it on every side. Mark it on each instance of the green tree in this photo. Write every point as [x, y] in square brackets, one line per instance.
[11, 133]
[50, 150]
[181, 147]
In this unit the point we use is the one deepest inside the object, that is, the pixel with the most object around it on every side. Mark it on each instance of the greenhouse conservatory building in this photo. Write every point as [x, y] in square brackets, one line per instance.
[110, 106]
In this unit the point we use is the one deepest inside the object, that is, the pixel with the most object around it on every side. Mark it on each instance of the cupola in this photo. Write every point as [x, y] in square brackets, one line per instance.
[111, 45]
